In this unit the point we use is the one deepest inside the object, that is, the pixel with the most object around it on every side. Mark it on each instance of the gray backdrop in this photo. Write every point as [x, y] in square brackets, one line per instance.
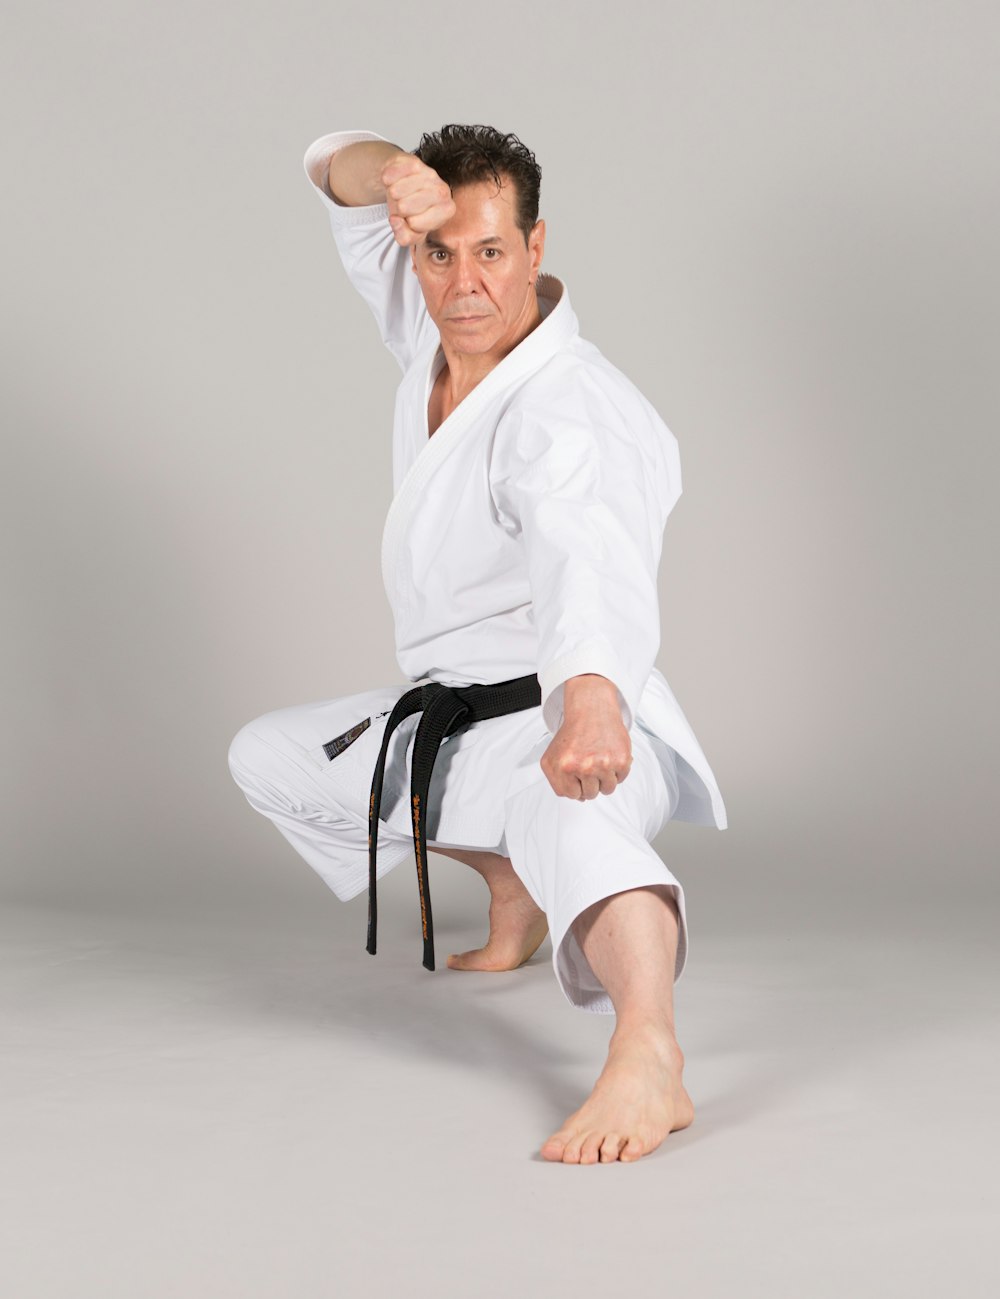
[778, 218]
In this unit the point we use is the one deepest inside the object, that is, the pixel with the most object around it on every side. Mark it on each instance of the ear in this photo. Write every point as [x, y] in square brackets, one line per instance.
[536, 243]
[413, 258]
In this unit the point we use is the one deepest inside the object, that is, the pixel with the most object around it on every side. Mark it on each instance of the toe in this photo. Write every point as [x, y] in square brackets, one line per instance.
[631, 1150]
[474, 960]
[555, 1147]
[571, 1153]
[611, 1146]
[590, 1150]
[483, 958]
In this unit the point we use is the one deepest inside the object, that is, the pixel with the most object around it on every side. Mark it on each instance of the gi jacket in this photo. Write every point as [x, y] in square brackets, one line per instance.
[524, 536]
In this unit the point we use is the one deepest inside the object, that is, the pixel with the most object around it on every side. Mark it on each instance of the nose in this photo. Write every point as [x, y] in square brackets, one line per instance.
[465, 276]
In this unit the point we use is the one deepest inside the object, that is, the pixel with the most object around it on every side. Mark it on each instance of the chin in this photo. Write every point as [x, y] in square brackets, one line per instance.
[473, 343]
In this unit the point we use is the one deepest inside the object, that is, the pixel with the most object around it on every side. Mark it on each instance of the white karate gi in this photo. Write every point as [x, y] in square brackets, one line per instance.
[524, 536]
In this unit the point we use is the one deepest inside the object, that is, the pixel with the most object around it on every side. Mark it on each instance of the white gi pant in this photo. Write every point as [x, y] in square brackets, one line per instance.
[568, 853]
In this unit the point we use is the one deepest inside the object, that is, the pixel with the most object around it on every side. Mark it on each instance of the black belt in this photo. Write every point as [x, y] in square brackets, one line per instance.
[446, 709]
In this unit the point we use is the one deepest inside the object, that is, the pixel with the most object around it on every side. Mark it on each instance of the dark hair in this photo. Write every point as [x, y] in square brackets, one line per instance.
[462, 155]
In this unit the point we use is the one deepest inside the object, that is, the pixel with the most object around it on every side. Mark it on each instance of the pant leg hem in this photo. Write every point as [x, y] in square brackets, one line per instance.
[574, 973]
[389, 857]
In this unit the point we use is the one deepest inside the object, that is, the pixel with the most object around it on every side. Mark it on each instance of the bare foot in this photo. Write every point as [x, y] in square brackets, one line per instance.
[636, 1102]
[517, 926]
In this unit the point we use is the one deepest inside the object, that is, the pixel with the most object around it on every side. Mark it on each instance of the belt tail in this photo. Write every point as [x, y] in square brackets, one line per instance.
[405, 705]
[443, 713]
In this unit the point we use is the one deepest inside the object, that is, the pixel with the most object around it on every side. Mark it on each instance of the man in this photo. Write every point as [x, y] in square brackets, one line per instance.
[532, 485]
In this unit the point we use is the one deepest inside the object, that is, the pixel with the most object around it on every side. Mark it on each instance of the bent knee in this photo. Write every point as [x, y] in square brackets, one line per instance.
[249, 755]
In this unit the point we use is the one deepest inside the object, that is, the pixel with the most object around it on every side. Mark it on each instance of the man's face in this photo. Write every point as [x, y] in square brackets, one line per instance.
[476, 273]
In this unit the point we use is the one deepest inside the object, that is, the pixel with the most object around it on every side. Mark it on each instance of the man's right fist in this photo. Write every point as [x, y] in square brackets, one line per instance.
[417, 197]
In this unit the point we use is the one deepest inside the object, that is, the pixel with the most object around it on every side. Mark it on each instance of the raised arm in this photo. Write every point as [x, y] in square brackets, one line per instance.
[380, 200]
[375, 171]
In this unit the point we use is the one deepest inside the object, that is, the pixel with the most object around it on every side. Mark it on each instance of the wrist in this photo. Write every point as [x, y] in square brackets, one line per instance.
[587, 690]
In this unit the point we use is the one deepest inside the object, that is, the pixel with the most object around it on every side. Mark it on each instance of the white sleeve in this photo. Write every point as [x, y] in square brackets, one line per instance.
[376, 265]
[591, 503]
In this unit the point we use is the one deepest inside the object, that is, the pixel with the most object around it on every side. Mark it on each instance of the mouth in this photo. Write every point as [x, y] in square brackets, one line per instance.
[465, 320]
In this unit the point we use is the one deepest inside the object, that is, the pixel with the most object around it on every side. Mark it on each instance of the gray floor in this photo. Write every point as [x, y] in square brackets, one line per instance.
[253, 1106]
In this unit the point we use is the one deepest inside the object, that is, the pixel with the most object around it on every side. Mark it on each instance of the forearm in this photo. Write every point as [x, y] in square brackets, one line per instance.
[355, 171]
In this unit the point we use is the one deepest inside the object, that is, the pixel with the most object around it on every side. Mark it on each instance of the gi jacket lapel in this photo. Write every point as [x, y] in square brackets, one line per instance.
[557, 327]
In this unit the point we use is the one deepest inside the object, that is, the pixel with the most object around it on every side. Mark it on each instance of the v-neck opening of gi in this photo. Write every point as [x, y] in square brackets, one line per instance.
[546, 304]
[557, 326]
[432, 374]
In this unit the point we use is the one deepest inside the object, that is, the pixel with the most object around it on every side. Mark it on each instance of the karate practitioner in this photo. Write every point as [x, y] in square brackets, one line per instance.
[532, 485]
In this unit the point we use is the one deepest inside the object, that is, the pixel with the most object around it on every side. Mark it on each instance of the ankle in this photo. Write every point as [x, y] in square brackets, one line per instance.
[656, 1032]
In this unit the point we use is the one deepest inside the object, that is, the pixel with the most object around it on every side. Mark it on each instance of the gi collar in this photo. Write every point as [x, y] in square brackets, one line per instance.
[557, 328]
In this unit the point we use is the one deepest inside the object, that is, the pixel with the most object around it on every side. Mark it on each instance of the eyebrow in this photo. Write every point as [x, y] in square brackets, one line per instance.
[431, 242]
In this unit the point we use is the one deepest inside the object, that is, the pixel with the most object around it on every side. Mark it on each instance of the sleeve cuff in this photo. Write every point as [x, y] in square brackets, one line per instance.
[316, 164]
[592, 657]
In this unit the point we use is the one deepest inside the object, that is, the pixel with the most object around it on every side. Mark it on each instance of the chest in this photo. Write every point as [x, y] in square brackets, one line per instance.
[438, 406]
[444, 546]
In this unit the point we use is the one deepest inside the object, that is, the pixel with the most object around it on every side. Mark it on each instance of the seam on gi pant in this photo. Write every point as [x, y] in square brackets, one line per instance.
[293, 795]
[356, 882]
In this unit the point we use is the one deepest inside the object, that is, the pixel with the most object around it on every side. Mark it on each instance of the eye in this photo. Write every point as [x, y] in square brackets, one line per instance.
[437, 252]
[492, 250]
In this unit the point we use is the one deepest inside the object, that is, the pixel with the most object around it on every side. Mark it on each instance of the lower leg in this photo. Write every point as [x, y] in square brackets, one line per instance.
[517, 926]
[630, 940]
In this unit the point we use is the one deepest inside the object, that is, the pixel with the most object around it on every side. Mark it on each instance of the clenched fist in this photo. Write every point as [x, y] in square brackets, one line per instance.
[418, 199]
[591, 753]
